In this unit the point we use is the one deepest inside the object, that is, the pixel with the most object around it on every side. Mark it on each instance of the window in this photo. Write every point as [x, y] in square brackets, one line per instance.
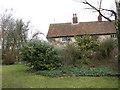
[113, 36]
[66, 39]
[81, 36]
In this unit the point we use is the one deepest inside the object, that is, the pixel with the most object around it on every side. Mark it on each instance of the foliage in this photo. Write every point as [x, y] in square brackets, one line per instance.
[23, 79]
[106, 47]
[69, 55]
[14, 33]
[78, 52]
[107, 51]
[118, 57]
[9, 58]
[80, 71]
[87, 45]
[40, 55]
[113, 13]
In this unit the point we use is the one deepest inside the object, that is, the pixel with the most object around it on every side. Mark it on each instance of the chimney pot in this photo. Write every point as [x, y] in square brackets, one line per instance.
[75, 19]
[73, 15]
[100, 18]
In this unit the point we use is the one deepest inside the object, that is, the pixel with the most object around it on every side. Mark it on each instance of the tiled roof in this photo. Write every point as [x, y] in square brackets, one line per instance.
[68, 29]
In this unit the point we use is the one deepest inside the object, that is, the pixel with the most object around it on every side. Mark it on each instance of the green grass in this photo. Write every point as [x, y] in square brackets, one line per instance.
[0, 76]
[15, 76]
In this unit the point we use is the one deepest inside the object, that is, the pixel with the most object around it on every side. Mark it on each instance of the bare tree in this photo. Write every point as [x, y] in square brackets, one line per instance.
[5, 23]
[113, 13]
[14, 33]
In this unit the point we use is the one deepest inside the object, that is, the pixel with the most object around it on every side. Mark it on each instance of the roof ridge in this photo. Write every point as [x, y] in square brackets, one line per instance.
[68, 29]
[81, 22]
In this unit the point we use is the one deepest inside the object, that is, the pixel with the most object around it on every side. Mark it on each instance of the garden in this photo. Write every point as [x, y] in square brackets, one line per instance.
[86, 57]
[86, 61]
[28, 62]
[16, 76]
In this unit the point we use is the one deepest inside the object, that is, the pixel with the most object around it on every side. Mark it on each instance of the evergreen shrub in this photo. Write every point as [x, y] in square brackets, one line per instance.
[40, 55]
[87, 45]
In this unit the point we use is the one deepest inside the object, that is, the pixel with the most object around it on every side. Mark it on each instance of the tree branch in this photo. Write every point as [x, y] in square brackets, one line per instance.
[85, 2]
[35, 34]
[112, 11]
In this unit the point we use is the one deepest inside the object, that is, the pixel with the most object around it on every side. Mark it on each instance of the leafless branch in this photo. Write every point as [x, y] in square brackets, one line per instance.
[89, 8]
[36, 34]
[99, 11]
[112, 11]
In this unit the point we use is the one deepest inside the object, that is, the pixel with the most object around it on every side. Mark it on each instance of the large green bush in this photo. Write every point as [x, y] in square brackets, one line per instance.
[39, 55]
[79, 52]
[87, 45]
[106, 47]
[69, 55]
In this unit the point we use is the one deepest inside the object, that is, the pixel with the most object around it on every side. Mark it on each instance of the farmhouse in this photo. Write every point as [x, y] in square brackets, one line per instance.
[65, 32]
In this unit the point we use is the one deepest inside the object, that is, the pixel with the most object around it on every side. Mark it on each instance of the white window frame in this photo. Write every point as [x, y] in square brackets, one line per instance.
[65, 39]
[113, 36]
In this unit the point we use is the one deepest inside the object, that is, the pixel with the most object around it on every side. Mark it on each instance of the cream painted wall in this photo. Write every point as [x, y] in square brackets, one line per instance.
[103, 37]
[72, 39]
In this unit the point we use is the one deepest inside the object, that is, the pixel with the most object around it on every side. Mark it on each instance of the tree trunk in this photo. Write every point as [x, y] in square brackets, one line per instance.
[117, 26]
[119, 37]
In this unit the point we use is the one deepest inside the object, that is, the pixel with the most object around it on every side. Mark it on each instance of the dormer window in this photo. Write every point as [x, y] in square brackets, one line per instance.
[65, 39]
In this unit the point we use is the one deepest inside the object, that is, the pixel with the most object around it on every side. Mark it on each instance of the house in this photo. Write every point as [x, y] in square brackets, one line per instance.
[65, 32]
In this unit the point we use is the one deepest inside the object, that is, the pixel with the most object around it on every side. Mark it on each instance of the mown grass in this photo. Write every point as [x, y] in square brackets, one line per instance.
[0, 76]
[15, 76]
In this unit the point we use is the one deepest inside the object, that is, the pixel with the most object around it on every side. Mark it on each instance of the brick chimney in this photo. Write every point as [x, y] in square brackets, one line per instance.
[75, 19]
[100, 18]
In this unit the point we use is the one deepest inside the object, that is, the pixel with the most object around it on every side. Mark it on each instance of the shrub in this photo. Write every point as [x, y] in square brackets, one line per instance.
[9, 58]
[87, 45]
[106, 47]
[40, 55]
[118, 57]
[69, 55]
[106, 52]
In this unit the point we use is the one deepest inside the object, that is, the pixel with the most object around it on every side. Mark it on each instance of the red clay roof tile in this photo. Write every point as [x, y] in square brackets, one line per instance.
[68, 29]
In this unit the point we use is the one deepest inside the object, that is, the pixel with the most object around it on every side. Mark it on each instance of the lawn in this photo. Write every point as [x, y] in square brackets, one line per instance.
[15, 76]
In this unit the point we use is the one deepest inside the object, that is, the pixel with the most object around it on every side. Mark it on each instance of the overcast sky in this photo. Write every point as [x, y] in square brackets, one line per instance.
[42, 13]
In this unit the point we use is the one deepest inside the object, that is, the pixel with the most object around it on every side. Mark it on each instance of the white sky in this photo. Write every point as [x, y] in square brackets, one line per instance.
[42, 13]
